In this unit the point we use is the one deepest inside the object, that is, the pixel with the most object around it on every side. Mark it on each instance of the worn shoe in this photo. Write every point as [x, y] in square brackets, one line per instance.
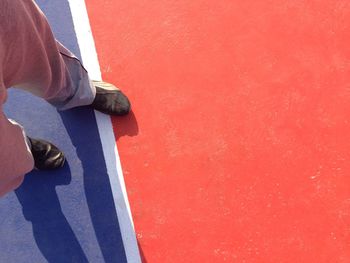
[46, 155]
[110, 100]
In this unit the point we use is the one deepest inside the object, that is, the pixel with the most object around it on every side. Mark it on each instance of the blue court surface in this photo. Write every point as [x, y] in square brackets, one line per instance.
[67, 215]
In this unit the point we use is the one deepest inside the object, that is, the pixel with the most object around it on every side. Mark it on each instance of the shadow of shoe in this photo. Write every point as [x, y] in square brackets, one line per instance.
[126, 125]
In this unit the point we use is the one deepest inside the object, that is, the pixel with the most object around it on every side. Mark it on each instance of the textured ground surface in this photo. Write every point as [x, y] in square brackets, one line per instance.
[239, 150]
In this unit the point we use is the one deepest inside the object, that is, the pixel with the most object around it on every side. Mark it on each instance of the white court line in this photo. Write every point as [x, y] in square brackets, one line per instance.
[89, 56]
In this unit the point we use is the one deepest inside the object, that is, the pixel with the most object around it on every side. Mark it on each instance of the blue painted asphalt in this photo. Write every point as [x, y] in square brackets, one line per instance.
[66, 215]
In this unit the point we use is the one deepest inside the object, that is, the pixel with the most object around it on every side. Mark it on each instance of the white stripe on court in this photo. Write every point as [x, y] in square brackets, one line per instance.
[89, 56]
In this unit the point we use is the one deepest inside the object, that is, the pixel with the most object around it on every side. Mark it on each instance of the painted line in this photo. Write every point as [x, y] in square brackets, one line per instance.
[90, 60]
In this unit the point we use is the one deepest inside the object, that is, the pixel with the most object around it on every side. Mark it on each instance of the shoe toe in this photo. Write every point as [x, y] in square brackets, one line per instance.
[46, 155]
[112, 102]
[53, 159]
[122, 104]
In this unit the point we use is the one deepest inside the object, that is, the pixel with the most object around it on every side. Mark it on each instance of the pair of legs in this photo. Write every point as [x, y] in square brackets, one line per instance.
[31, 59]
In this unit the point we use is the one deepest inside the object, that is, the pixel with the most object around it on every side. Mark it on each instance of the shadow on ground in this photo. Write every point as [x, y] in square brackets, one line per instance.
[41, 206]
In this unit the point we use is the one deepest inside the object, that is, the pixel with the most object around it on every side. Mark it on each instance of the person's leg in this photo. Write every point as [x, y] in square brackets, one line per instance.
[36, 62]
[31, 59]
[15, 156]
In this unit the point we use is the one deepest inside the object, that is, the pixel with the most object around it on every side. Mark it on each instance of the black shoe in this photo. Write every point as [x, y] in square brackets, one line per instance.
[46, 155]
[110, 100]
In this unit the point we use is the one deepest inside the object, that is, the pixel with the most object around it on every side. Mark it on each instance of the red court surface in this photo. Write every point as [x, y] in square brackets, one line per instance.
[239, 146]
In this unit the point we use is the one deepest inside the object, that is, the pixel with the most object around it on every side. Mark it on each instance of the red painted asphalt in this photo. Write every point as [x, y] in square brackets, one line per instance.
[239, 146]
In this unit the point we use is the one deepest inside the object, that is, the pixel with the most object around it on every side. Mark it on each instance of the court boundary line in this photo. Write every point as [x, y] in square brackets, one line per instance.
[89, 56]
